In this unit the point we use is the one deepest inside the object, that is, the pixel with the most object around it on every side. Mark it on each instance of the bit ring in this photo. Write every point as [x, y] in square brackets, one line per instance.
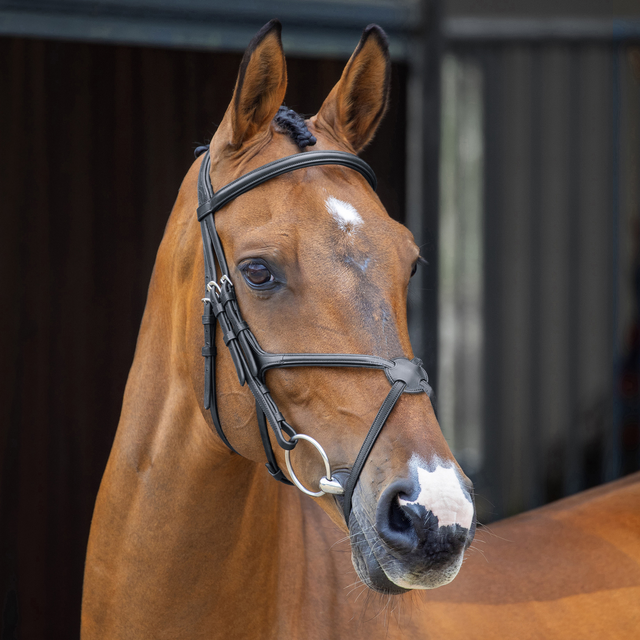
[325, 459]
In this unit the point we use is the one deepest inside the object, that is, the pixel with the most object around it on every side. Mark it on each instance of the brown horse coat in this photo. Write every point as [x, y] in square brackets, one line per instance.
[570, 569]
[192, 541]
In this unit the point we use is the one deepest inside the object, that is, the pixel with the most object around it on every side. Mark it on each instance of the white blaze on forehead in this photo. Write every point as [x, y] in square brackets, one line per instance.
[344, 214]
[441, 493]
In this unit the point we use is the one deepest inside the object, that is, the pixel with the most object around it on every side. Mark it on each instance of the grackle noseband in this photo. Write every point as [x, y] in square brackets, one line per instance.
[252, 362]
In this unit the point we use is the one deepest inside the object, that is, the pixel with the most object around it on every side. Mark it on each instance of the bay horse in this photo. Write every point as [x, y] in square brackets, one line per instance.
[191, 537]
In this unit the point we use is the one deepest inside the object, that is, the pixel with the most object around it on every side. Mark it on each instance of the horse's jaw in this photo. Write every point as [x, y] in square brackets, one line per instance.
[366, 563]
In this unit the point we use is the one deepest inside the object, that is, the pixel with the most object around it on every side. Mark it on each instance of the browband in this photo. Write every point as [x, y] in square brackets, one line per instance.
[278, 167]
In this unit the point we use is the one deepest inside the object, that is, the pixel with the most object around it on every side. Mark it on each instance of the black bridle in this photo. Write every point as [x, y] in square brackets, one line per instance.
[252, 362]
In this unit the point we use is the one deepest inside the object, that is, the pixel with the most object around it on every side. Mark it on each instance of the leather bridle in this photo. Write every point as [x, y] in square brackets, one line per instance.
[252, 362]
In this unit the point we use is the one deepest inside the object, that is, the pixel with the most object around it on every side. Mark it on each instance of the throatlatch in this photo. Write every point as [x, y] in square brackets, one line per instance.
[251, 362]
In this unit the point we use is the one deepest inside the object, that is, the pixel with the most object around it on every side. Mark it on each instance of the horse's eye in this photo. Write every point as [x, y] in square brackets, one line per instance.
[257, 274]
[421, 261]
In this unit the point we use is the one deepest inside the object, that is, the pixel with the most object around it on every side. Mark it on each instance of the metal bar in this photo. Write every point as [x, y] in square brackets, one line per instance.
[423, 162]
[335, 13]
[221, 36]
[536, 492]
[312, 28]
[321, 29]
[636, 177]
[612, 442]
[476, 29]
[492, 486]
[573, 476]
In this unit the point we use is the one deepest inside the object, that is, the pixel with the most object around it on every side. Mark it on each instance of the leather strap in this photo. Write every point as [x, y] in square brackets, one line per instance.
[272, 463]
[367, 445]
[273, 360]
[276, 168]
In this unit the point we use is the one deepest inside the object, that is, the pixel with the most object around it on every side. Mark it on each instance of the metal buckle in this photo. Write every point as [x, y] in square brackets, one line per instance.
[327, 483]
[213, 285]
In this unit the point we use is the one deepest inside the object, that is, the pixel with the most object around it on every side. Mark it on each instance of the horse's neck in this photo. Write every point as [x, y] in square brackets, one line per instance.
[176, 517]
[189, 540]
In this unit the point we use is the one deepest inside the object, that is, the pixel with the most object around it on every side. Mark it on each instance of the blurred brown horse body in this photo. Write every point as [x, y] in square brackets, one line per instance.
[570, 569]
[190, 540]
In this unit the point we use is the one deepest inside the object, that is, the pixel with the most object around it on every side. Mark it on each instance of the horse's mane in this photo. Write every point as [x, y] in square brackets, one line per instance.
[286, 121]
[292, 123]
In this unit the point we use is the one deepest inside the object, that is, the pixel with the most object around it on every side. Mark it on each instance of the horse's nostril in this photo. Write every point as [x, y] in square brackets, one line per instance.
[435, 529]
[398, 519]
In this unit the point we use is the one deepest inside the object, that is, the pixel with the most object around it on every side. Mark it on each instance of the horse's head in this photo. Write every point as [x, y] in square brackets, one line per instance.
[319, 267]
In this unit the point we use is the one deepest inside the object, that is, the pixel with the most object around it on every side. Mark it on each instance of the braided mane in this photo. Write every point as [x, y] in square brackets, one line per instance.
[287, 121]
[292, 123]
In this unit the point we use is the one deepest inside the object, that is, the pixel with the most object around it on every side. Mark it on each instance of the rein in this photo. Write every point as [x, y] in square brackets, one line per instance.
[252, 362]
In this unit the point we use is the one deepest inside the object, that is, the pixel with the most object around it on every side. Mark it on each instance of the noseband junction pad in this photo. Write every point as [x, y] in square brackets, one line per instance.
[410, 372]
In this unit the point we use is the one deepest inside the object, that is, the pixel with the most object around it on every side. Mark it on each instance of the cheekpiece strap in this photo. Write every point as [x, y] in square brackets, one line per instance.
[272, 464]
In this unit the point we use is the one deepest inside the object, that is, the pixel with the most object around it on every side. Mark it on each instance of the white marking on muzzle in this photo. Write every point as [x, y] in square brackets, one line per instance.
[432, 580]
[441, 493]
[343, 213]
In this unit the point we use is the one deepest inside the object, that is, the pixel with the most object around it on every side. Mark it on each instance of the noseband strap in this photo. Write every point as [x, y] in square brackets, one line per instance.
[250, 360]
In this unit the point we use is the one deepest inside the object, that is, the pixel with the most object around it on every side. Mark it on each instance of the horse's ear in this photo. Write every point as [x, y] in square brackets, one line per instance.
[356, 104]
[260, 87]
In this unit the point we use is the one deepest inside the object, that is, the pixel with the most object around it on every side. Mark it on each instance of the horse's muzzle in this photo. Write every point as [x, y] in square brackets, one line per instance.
[410, 545]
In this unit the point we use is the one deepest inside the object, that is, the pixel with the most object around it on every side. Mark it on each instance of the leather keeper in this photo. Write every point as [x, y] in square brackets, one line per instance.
[216, 306]
[205, 209]
[228, 336]
[226, 295]
[238, 325]
[278, 475]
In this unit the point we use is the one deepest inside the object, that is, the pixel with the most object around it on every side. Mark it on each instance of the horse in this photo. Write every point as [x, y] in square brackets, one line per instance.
[191, 537]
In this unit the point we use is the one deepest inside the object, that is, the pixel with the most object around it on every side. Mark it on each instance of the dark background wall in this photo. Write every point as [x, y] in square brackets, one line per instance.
[557, 303]
[95, 141]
